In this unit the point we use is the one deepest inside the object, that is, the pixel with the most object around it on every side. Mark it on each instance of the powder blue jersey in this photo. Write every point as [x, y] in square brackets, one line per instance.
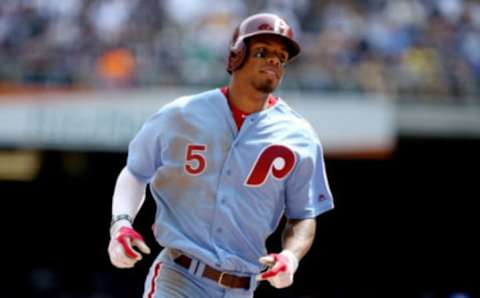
[220, 192]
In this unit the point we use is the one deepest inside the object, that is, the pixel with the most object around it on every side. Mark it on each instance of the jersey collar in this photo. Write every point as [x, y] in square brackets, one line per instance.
[238, 115]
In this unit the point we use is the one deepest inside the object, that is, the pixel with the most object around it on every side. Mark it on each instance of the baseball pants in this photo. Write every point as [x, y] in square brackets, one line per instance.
[167, 279]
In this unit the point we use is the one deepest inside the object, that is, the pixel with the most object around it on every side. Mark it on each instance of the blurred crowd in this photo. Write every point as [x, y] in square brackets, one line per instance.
[412, 48]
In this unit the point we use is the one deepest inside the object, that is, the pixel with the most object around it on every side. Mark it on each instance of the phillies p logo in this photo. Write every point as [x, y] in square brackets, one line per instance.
[276, 160]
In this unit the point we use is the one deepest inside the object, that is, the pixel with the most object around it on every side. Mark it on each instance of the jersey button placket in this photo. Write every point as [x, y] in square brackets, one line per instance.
[223, 201]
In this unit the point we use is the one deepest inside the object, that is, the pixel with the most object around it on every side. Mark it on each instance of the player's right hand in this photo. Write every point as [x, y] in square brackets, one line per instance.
[120, 249]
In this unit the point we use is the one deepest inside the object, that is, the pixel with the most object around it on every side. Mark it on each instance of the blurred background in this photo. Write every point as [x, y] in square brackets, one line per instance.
[391, 87]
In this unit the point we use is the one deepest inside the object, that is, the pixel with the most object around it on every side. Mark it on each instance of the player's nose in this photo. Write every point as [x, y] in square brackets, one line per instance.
[274, 60]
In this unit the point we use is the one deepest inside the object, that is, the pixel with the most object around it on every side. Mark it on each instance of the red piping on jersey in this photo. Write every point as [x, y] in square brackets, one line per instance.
[153, 283]
[238, 115]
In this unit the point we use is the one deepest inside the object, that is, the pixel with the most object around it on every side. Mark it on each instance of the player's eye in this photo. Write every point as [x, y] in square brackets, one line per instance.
[260, 53]
[264, 53]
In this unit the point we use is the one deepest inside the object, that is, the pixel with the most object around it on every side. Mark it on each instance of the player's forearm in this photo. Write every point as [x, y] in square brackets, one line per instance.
[298, 236]
[129, 194]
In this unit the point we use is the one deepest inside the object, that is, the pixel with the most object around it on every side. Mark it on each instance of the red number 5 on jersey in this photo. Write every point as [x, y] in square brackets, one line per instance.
[195, 162]
[276, 159]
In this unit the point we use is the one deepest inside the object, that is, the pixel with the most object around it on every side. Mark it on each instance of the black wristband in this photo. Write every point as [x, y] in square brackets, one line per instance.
[118, 217]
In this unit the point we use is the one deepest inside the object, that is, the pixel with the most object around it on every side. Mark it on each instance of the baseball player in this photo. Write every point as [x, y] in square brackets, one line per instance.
[223, 167]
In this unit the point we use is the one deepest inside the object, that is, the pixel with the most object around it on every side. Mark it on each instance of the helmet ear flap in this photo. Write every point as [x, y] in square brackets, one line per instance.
[236, 58]
[237, 52]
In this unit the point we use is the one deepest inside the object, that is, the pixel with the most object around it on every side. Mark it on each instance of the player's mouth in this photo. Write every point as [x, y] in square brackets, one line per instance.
[271, 72]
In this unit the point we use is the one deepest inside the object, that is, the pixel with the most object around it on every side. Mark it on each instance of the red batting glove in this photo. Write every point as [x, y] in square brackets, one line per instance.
[282, 266]
[120, 249]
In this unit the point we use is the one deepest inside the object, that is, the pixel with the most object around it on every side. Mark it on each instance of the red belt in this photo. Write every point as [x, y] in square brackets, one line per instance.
[223, 279]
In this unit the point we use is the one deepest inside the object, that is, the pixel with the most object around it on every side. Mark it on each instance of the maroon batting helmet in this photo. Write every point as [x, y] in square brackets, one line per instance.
[258, 24]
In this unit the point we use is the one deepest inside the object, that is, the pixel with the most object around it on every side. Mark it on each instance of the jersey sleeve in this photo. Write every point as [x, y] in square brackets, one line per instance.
[308, 193]
[144, 151]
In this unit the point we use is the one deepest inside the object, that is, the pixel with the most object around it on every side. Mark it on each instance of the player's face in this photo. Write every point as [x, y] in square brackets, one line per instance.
[265, 64]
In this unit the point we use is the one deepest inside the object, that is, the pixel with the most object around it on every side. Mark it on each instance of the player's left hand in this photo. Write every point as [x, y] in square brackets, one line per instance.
[282, 266]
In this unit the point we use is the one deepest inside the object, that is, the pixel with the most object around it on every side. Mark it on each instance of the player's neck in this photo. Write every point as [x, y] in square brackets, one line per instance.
[247, 99]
